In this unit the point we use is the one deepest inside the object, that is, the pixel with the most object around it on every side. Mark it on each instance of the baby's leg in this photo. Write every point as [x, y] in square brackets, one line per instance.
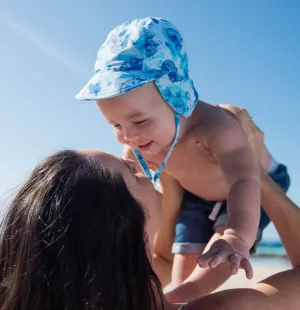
[183, 266]
[193, 231]
[193, 286]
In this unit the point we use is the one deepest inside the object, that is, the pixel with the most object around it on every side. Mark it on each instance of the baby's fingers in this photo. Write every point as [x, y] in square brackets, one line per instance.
[235, 263]
[204, 259]
[219, 258]
[246, 265]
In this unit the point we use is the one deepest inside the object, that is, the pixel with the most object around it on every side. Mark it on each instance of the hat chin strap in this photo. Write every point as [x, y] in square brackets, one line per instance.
[143, 163]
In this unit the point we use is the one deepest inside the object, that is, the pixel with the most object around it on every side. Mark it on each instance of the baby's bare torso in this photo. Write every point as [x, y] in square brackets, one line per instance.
[195, 167]
[197, 171]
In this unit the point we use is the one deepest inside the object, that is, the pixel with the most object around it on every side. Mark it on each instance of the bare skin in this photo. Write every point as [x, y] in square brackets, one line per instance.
[280, 291]
[220, 165]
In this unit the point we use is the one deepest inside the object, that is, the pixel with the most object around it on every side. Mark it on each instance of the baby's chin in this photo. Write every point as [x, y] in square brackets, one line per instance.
[154, 149]
[157, 149]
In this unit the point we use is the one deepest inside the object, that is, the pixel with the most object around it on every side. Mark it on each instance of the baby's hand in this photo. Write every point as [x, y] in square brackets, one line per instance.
[228, 248]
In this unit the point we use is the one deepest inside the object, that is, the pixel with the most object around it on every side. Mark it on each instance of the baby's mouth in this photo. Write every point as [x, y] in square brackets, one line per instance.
[145, 147]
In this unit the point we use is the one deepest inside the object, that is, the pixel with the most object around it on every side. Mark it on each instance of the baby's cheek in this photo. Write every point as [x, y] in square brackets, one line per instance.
[119, 136]
[153, 132]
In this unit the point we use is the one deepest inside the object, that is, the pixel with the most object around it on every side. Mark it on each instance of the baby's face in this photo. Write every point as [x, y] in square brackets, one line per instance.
[141, 119]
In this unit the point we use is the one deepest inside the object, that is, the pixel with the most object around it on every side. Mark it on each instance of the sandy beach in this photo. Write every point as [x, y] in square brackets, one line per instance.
[263, 267]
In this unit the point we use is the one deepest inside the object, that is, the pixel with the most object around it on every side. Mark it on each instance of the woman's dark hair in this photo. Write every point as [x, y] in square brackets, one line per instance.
[73, 239]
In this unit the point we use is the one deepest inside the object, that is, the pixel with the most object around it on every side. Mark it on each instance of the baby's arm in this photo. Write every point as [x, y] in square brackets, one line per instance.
[231, 148]
[172, 200]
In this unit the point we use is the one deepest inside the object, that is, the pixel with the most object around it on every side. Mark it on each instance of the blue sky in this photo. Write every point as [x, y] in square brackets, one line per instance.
[241, 52]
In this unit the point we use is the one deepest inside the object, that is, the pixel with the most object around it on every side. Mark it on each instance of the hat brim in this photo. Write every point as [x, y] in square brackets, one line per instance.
[109, 84]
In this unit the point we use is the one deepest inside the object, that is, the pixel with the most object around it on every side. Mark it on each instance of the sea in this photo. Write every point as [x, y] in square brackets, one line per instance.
[270, 248]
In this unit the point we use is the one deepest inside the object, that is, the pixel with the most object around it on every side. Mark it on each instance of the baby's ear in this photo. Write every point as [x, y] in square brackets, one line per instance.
[254, 134]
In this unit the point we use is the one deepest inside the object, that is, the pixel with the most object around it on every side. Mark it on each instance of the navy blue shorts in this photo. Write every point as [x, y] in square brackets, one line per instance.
[194, 229]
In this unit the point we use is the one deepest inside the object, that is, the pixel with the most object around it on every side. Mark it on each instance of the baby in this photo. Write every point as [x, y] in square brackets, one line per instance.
[208, 172]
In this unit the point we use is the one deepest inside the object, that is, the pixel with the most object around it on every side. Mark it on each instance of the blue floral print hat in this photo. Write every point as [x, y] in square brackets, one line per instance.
[138, 52]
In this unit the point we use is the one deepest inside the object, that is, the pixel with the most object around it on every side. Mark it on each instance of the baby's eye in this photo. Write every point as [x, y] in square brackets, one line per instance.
[117, 126]
[140, 122]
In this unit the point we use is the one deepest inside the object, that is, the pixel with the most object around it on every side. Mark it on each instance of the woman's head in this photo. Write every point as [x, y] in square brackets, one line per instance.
[74, 237]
